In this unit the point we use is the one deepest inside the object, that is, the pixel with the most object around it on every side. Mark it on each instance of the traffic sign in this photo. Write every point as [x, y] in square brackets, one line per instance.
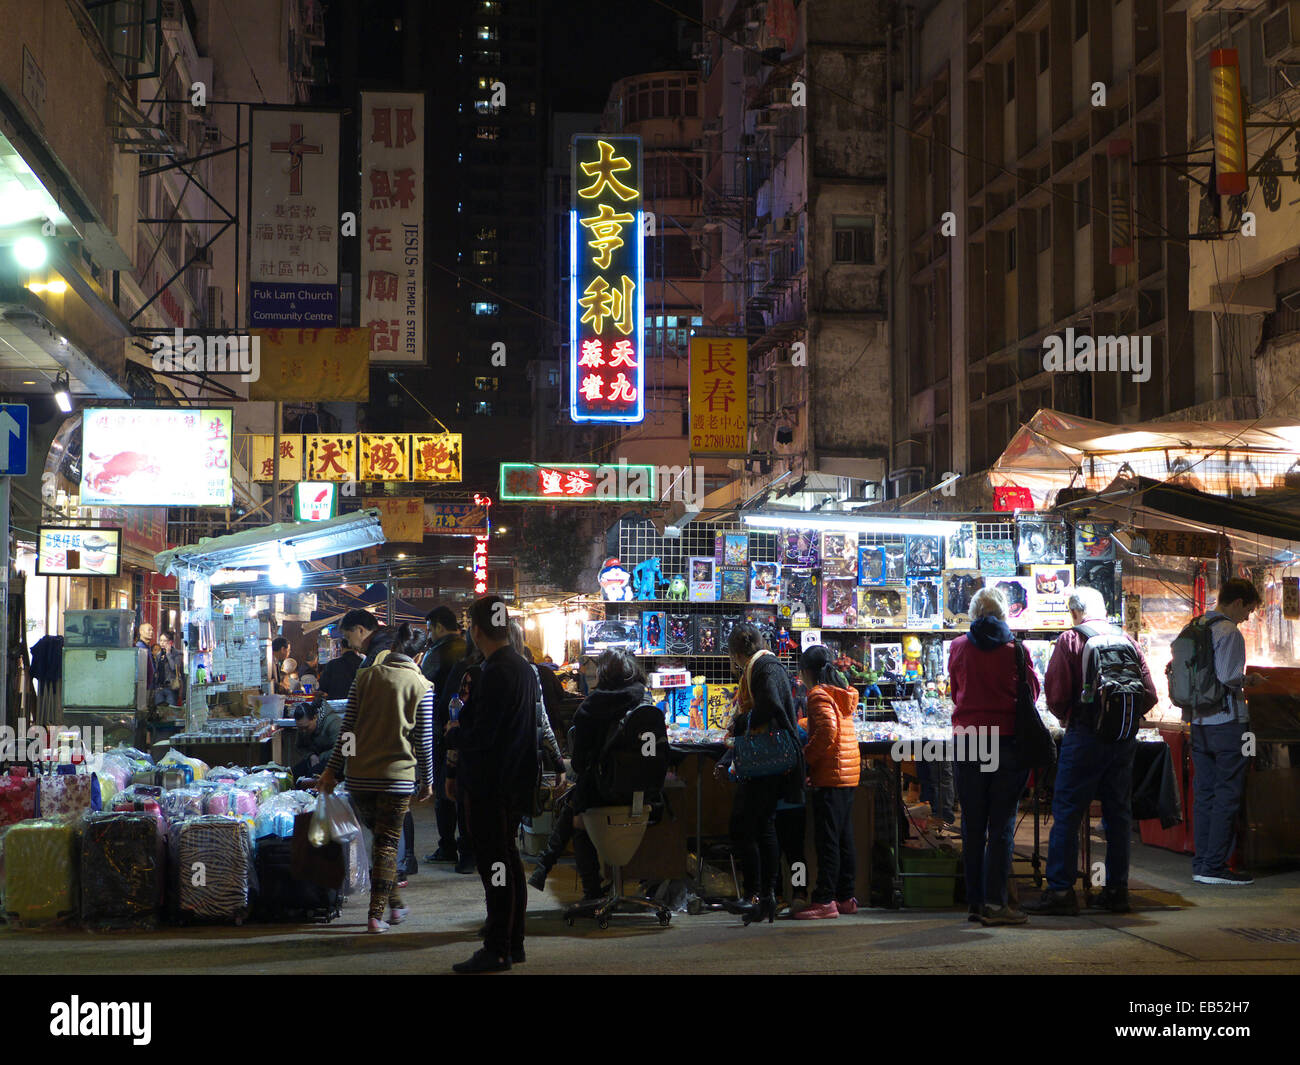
[13, 439]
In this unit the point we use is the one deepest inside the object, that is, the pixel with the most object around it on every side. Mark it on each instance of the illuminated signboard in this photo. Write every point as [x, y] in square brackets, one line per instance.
[719, 395]
[65, 552]
[313, 500]
[607, 267]
[576, 482]
[146, 457]
[481, 550]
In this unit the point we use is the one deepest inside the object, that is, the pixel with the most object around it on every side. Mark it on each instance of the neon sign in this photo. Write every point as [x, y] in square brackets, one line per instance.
[481, 549]
[542, 482]
[607, 273]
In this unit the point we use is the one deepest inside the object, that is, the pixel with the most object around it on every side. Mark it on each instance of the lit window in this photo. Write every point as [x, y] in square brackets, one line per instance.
[486, 33]
[488, 133]
[483, 407]
[483, 107]
[486, 384]
[484, 307]
[855, 239]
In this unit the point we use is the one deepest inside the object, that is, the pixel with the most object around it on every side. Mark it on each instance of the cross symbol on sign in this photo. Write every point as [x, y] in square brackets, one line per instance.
[296, 149]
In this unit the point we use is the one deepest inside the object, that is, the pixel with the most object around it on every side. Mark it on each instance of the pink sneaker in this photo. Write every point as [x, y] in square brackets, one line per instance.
[817, 911]
[376, 926]
[847, 907]
[397, 916]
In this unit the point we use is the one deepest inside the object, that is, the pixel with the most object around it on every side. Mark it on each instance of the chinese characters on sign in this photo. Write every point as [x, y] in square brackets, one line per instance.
[313, 365]
[331, 458]
[262, 461]
[575, 482]
[480, 565]
[1182, 544]
[142, 457]
[294, 218]
[402, 517]
[606, 320]
[384, 457]
[719, 395]
[381, 457]
[67, 552]
[454, 519]
[392, 225]
[436, 457]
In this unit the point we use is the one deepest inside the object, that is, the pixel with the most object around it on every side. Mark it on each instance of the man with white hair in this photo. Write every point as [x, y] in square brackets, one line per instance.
[1090, 766]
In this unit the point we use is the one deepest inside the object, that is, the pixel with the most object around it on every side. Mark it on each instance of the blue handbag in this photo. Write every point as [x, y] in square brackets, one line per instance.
[767, 754]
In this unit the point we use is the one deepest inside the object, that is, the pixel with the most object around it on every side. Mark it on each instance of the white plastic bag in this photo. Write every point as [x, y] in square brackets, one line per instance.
[332, 819]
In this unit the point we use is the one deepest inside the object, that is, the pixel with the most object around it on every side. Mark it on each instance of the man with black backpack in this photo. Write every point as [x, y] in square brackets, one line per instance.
[1098, 684]
[1207, 677]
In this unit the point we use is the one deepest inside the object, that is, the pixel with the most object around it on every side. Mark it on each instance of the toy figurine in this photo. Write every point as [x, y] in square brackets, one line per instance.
[677, 587]
[911, 658]
[615, 582]
[647, 576]
[785, 643]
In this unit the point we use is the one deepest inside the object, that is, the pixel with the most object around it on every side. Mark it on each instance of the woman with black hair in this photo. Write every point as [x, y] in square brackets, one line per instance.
[764, 703]
[389, 720]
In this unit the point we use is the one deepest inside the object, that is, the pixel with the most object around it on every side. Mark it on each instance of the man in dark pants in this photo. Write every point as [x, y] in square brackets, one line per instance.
[446, 648]
[1218, 742]
[496, 771]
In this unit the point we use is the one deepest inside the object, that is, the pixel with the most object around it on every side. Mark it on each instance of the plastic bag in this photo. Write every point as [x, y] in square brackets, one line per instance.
[333, 819]
[180, 803]
[356, 880]
[70, 795]
[264, 784]
[225, 773]
[174, 757]
[275, 818]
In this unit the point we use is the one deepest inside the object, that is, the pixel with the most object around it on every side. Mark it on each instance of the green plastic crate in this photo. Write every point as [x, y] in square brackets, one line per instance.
[930, 894]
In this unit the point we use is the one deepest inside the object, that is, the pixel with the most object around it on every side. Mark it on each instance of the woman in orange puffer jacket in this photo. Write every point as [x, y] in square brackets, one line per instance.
[834, 768]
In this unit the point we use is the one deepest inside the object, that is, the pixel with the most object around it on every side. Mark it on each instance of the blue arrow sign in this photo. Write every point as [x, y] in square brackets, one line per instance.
[13, 439]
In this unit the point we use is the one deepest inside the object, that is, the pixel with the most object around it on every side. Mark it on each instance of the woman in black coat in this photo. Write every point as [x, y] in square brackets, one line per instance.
[763, 703]
[621, 686]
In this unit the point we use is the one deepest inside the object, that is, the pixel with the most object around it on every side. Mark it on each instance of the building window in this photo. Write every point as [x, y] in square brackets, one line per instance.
[1044, 49]
[483, 307]
[855, 239]
[486, 33]
[488, 133]
[553, 378]
[1082, 203]
[485, 258]
[487, 384]
[483, 407]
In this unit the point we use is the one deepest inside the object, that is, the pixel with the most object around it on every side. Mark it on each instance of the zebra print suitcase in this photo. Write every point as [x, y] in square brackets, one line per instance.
[213, 857]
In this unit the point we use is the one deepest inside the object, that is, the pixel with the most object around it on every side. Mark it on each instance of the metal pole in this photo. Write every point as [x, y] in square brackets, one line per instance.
[275, 459]
[5, 717]
[391, 597]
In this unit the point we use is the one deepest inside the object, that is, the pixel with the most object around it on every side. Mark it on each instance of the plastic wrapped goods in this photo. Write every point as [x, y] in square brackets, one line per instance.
[141, 798]
[283, 777]
[42, 872]
[214, 866]
[174, 757]
[122, 866]
[18, 798]
[263, 783]
[244, 802]
[118, 769]
[70, 795]
[225, 772]
[275, 817]
[170, 776]
[180, 803]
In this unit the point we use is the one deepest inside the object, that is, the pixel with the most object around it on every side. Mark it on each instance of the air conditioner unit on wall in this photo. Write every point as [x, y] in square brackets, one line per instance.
[1281, 33]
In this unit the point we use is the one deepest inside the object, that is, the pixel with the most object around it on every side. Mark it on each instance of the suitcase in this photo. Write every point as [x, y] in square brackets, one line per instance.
[122, 866]
[228, 774]
[42, 872]
[141, 798]
[244, 802]
[18, 798]
[172, 776]
[324, 866]
[283, 777]
[70, 795]
[180, 803]
[214, 869]
[265, 785]
[282, 896]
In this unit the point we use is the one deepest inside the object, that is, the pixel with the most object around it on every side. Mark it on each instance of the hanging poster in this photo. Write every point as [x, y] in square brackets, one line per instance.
[719, 395]
[262, 459]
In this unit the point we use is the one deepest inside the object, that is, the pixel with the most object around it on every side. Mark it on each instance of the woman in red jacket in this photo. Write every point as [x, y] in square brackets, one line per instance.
[834, 768]
[982, 672]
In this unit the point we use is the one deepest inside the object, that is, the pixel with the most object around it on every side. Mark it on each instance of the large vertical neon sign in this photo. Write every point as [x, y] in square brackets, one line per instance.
[481, 547]
[607, 271]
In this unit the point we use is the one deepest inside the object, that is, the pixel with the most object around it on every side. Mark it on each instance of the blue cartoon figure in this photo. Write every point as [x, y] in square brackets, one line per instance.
[647, 576]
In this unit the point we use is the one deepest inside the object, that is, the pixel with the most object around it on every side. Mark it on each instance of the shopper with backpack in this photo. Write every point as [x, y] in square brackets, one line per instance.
[1098, 684]
[1207, 677]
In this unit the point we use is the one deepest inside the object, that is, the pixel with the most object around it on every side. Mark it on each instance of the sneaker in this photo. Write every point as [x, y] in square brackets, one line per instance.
[441, 857]
[847, 907]
[1054, 904]
[1003, 915]
[483, 961]
[403, 883]
[1224, 877]
[466, 866]
[397, 916]
[817, 911]
[1113, 899]
[537, 878]
[376, 926]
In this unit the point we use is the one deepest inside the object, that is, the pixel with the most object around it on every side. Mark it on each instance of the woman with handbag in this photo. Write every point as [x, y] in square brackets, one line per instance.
[768, 765]
[985, 669]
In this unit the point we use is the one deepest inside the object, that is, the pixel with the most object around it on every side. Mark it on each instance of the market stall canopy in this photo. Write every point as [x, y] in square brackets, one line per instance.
[1055, 451]
[266, 546]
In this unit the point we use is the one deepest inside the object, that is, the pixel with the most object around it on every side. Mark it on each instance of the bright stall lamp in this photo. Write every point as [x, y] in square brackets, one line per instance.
[30, 253]
[804, 520]
[62, 393]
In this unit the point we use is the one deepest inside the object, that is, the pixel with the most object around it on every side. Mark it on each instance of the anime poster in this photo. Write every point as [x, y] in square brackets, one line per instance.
[679, 640]
[1094, 543]
[1051, 595]
[654, 632]
[840, 554]
[959, 547]
[735, 584]
[706, 636]
[997, 558]
[735, 549]
[764, 582]
[721, 701]
[882, 608]
[871, 567]
[1019, 594]
[798, 547]
[1042, 540]
[895, 563]
[924, 555]
[801, 588]
[925, 603]
[887, 659]
[839, 602]
[1104, 577]
[959, 588]
[700, 581]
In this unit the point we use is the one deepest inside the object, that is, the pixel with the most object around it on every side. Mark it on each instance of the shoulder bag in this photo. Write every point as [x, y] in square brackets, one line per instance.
[1035, 748]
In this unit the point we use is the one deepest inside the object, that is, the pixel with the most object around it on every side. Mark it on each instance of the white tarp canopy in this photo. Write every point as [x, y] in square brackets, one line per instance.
[1054, 451]
[287, 541]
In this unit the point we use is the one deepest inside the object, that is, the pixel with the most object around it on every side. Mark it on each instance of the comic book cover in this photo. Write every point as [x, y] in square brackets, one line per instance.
[840, 555]
[959, 588]
[735, 549]
[764, 582]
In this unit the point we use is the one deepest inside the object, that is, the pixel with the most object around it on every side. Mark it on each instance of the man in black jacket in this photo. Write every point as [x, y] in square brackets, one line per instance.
[446, 648]
[496, 774]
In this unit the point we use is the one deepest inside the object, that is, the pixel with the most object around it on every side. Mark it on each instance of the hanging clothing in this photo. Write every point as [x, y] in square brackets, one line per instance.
[47, 659]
